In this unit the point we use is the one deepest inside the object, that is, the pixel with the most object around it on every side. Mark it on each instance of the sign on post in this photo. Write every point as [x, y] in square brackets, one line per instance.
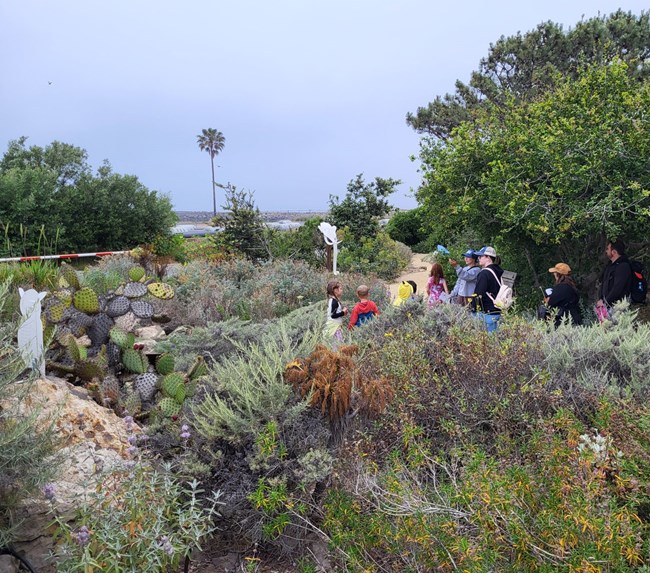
[329, 234]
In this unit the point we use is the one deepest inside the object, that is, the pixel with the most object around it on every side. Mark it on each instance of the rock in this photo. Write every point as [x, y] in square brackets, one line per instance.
[91, 439]
[149, 337]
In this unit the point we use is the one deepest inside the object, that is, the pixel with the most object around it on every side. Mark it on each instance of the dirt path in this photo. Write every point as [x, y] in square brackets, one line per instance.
[418, 271]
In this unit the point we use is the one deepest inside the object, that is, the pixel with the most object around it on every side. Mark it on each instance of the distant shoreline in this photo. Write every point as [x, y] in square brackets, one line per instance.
[206, 216]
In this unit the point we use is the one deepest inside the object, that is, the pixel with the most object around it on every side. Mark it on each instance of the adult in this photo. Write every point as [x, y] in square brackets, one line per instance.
[616, 280]
[564, 298]
[487, 287]
[466, 277]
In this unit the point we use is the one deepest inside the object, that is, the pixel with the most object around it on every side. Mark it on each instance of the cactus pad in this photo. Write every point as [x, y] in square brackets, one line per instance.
[121, 338]
[173, 385]
[142, 308]
[136, 273]
[161, 290]
[146, 385]
[135, 361]
[86, 300]
[169, 407]
[134, 290]
[101, 326]
[118, 306]
[132, 403]
[110, 388]
[69, 276]
[165, 364]
[54, 310]
[113, 355]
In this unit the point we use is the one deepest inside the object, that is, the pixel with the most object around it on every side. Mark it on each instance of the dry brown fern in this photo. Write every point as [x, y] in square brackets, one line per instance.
[329, 377]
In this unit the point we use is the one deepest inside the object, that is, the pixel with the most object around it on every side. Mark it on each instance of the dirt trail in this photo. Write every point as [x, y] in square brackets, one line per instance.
[418, 271]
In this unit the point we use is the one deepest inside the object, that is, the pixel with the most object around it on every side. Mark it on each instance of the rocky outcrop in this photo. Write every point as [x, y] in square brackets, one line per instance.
[91, 439]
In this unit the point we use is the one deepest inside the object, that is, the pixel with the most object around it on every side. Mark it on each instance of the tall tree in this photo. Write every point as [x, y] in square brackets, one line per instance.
[213, 142]
[526, 66]
[550, 177]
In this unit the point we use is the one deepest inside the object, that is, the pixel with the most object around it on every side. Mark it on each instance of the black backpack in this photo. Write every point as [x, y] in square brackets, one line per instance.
[639, 283]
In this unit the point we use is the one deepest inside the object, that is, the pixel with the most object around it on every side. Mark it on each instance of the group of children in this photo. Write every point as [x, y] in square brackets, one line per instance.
[365, 309]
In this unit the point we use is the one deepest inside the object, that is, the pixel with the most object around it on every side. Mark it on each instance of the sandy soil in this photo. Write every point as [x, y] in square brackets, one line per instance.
[418, 271]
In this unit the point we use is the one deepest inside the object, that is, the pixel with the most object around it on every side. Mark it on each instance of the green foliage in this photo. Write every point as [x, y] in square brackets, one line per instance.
[305, 243]
[53, 189]
[26, 444]
[379, 255]
[526, 66]
[244, 231]
[137, 520]
[167, 245]
[212, 142]
[550, 179]
[363, 205]
[407, 227]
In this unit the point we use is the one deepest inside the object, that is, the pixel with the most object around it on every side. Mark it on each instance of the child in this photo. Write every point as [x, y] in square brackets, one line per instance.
[436, 285]
[364, 310]
[335, 311]
[404, 292]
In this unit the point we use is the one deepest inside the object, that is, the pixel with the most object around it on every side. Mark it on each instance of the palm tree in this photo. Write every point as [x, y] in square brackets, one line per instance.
[213, 142]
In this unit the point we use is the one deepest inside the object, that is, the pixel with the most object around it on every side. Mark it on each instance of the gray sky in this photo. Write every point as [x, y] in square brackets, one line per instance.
[306, 93]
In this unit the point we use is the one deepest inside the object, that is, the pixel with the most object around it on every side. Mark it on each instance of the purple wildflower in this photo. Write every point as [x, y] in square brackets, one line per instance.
[82, 537]
[49, 490]
[166, 545]
[132, 450]
[133, 440]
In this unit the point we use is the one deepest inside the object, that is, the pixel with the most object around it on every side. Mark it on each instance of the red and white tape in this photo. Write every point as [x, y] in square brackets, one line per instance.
[68, 256]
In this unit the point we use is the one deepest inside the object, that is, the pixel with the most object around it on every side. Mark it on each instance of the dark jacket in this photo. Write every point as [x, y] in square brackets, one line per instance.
[486, 283]
[566, 300]
[616, 281]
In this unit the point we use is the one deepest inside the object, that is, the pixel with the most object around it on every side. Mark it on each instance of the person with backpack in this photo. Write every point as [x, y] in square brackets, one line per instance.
[616, 280]
[488, 284]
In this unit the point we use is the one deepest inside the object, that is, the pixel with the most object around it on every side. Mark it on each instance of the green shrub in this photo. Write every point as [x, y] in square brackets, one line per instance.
[167, 245]
[407, 227]
[380, 255]
[138, 519]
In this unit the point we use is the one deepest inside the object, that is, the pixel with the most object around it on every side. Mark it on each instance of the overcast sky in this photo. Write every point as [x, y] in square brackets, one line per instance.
[307, 94]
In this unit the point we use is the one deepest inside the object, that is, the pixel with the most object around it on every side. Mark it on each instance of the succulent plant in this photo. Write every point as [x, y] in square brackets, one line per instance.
[54, 310]
[100, 329]
[121, 338]
[161, 290]
[142, 308]
[165, 364]
[110, 388]
[86, 300]
[173, 386]
[136, 273]
[117, 306]
[135, 361]
[88, 369]
[134, 290]
[132, 403]
[169, 407]
[146, 385]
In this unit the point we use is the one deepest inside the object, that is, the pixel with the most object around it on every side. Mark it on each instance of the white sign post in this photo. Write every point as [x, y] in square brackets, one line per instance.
[30, 331]
[329, 233]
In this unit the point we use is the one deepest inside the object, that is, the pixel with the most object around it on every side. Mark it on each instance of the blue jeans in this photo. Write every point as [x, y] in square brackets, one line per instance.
[491, 320]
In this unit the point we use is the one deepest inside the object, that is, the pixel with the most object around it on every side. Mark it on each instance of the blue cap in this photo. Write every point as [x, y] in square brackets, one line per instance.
[470, 253]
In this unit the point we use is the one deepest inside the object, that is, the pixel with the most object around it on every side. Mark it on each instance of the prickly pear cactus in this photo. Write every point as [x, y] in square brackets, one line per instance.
[135, 290]
[173, 385]
[132, 403]
[100, 329]
[117, 306]
[142, 308]
[89, 369]
[135, 361]
[169, 407]
[161, 290]
[165, 364]
[136, 273]
[86, 300]
[121, 338]
[146, 385]
[110, 389]
[54, 309]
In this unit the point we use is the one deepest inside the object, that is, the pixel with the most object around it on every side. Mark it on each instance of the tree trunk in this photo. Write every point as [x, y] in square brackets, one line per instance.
[214, 191]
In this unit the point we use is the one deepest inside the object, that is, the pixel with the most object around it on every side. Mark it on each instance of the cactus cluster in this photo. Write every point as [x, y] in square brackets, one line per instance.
[95, 344]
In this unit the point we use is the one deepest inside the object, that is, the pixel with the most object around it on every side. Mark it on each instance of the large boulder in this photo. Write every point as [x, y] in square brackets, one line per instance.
[91, 439]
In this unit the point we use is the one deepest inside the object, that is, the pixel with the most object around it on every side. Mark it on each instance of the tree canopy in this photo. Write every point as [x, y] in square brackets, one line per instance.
[50, 200]
[525, 66]
[549, 174]
[363, 205]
